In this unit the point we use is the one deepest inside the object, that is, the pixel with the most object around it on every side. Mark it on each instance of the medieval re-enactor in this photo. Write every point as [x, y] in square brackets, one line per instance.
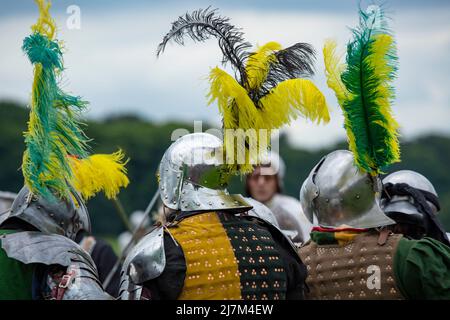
[353, 254]
[270, 87]
[38, 257]
[213, 246]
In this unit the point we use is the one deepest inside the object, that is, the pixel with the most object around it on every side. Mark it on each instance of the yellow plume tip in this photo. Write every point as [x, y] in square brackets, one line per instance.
[100, 172]
[45, 24]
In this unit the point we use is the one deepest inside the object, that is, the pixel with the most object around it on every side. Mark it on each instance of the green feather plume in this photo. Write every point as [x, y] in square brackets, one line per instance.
[53, 132]
[364, 90]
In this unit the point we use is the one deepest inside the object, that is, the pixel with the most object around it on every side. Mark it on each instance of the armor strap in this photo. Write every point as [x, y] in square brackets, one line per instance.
[383, 237]
[64, 283]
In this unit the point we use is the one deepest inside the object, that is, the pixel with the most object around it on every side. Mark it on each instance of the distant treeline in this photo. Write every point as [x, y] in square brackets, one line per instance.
[144, 143]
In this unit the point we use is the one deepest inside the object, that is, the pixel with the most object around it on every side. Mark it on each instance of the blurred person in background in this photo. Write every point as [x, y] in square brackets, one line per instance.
[265, 184]
[411, 200]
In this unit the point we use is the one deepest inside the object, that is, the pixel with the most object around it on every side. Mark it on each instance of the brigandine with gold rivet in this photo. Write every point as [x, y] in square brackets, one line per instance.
[229, 258]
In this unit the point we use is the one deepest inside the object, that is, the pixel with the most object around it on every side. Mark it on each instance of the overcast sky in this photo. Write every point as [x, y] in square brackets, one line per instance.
[111, 59]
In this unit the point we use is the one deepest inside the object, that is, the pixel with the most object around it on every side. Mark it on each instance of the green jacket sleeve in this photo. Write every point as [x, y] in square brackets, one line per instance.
[15, 277]
[422, 269]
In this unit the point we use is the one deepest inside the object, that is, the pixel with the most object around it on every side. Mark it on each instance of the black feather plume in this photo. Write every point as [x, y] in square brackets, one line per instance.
[296, 61]
[200, 25]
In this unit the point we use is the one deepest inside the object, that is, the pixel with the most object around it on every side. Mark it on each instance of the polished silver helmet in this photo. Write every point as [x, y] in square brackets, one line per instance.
[193, 177]
[339, 194]
[53, 217]
[405, 204]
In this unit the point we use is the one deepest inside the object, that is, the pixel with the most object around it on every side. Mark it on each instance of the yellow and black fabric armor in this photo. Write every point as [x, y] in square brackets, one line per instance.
[221, 256]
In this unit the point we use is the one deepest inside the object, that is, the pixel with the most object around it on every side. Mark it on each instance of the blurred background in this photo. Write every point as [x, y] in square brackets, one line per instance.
[137, 100]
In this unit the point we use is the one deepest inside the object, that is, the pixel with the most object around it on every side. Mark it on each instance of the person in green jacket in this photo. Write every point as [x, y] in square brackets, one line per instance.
[16, 278]
[353, 254]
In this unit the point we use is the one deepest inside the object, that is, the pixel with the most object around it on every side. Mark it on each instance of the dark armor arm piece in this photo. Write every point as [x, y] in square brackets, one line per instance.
[37, 247]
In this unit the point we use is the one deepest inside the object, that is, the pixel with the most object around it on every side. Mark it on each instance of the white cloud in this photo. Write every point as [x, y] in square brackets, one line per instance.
[111, 62]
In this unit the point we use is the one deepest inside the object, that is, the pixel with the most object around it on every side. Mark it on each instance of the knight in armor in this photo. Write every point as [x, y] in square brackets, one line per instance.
[353, 253]
[411, 200]
[214, 245]
[101, 252]
[38, 257]
[265, 184]
[270, 88]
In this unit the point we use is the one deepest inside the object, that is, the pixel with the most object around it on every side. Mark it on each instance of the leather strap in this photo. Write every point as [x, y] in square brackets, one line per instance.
[384, 235]
[60, 289]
